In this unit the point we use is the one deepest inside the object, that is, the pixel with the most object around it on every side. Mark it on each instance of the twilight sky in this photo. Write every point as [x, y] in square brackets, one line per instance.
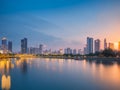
[59, 23]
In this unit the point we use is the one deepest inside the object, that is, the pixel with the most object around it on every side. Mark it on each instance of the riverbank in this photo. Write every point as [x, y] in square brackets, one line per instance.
[5, 56]
[90, 58]
[82, 57]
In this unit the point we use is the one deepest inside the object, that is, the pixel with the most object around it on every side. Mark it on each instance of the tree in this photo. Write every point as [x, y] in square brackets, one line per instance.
[108, 53]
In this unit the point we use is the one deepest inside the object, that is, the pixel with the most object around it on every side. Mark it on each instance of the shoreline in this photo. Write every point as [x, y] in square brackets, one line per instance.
[5, 56]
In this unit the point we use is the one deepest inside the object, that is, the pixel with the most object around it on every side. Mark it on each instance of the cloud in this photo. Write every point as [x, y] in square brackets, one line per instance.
[15, 28]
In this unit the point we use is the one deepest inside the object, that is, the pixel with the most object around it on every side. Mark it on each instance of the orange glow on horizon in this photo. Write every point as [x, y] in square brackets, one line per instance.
[116, 45]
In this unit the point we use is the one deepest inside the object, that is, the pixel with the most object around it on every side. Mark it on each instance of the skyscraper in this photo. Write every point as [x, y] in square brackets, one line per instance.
[74, 51]
[24, 46]
[89, 45]
[97, 45]
[85, 50]
[79, 51]
[4, 43]
[68, 51]
[105, 44]
[10, 46]
[41, 48]
[111, 46]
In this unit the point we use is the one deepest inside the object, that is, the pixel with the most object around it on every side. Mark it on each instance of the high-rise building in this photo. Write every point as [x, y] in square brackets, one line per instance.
[111, 46]
[85, 50]
[119, 45]
[105, 44]
[97, 45]
[41, 49]
[61, 51]
[79, 51]
[65, 51]
[24, 46]
[10, 46]
[4, 43]
[68, 51]
[74, 51]
[32, 50]
[89, 45]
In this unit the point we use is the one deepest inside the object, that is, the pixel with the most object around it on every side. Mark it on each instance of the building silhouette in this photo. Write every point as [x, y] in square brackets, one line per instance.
[10, 46]
[85, 50]
[4, 43]
[24, 46]
[41, 49]
[74, 52]
[97, 45]
[111, 46]
[105, 44]
[79, 51]
[68, 51]
[89, 45]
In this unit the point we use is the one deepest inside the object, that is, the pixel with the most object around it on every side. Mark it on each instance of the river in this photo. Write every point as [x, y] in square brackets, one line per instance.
[58, 74]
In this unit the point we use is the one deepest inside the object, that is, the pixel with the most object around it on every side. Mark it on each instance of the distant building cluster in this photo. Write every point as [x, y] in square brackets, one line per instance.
[92, 46]
[72, 51]
[36, 50]
[6, 46]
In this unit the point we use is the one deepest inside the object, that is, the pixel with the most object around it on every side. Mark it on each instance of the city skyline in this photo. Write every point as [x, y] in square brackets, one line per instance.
[59, 44]
[92, 45]
[65, 23]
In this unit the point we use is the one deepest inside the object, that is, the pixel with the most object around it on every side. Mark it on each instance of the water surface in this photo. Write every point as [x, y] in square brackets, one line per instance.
[58, 74]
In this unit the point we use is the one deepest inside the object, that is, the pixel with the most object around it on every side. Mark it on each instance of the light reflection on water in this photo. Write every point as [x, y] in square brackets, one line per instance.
[60, 74]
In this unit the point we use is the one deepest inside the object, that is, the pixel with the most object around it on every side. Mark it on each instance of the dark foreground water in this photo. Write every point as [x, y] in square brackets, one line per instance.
[58, 74]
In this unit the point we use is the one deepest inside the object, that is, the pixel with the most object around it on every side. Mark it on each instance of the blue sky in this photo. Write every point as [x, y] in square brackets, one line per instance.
[59, 23]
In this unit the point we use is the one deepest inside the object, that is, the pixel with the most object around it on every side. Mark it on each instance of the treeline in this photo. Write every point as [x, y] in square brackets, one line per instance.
[106, 53]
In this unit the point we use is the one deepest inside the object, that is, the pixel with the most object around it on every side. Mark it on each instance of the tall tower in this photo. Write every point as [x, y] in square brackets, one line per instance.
[24, 46]
[74, 51]
[41, 48]
[4, 43]
[89, 45]
[10, 46]
[105, 44]
[97, 45]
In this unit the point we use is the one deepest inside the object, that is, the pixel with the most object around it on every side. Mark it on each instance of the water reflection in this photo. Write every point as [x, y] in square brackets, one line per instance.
[6, 82]
[107, 72]
[102, 73]
[5, 67]
[24, 66]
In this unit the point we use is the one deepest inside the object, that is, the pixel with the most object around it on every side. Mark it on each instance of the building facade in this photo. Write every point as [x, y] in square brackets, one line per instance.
[97, 45]
[105, 44]
[74, 51]
[41, 49]
[10, 46]
[89, 45]
[24, 46]
[111, 46]
[4, 43]
[68, 51]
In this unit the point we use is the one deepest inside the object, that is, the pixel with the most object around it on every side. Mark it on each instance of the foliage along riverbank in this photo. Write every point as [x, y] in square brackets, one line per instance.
[106, 54]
